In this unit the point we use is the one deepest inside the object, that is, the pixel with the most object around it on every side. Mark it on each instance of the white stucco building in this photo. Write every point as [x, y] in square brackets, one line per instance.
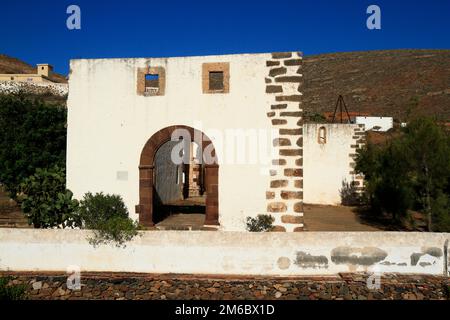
[243, 110]
[376, 123]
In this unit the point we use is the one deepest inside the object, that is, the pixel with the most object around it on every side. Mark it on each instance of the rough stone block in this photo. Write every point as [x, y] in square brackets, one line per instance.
[288, 195]
[281, 142]
[291, 219]
[274, 89]
[293, 172]
[278, 183]
[276, 207]
[277, 71]
[281, 55]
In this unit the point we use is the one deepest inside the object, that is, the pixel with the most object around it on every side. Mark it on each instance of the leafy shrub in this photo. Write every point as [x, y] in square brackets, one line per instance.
[47, 203]
[32, 135]
[11, 292]
[108, 217]
[262, 223]
[349, 194]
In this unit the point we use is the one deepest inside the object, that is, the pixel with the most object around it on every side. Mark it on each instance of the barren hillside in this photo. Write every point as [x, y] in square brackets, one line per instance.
[13, 65]
[380, 82]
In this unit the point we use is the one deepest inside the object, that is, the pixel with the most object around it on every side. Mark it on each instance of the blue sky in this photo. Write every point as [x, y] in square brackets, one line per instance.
[35, 31]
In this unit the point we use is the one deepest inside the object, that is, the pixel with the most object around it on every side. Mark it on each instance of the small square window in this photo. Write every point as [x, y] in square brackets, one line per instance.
[216, 80]
[216, 77]
[151, 83]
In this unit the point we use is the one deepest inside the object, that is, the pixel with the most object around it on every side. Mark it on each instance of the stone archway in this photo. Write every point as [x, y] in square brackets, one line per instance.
[146, 175]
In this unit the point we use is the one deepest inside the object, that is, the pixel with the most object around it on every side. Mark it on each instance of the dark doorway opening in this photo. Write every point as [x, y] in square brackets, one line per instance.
[180, 200]
[209, 180]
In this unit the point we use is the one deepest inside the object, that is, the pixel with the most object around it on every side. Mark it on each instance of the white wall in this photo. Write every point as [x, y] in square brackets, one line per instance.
[325, 166]
[108, 125]
[385, 123]
[245, 253]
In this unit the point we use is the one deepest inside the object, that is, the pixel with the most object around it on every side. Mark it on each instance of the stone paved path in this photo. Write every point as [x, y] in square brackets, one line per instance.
[137, 286]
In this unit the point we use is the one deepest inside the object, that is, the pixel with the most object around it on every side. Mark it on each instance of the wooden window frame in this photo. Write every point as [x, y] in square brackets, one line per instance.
[216, 67]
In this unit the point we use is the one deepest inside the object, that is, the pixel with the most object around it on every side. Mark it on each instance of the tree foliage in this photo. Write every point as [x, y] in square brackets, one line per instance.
[410, 172]
[32, 135]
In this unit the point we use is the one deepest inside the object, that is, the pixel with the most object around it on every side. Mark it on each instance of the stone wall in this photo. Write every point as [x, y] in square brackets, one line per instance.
[58, 89]
[232, 253]
[285, 194]
[44, 286]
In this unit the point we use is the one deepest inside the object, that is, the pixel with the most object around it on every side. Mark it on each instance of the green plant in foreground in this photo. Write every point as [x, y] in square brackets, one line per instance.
[11, 292]
[262, 223]
[107, 216]
[47, 203]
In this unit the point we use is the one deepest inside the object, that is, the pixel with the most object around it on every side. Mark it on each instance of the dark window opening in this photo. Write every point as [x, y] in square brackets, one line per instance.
[216, 80]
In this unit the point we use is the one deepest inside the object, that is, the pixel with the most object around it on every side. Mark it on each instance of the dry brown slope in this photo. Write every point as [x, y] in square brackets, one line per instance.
[379, 82]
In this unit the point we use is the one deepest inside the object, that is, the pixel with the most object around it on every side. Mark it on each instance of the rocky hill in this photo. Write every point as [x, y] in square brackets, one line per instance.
[13, 65]
[381, 83]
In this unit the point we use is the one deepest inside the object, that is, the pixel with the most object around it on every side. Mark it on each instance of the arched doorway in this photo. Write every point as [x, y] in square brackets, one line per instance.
[147, 172]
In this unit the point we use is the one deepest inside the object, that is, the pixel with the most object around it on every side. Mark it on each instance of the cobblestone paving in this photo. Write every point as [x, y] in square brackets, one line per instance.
[134, 286]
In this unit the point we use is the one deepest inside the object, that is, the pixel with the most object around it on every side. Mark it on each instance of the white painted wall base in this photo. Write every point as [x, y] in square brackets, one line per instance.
[239, 253]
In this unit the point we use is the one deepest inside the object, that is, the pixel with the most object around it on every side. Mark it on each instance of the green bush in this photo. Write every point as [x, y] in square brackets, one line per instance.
[410, 172]
[349, 194]
[441, 217]
[47, 203]
[11, 292]
[32, 135]
[108, 217]
[262, 223]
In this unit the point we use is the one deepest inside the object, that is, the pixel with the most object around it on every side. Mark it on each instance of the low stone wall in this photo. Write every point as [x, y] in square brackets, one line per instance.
[232, 253]
[58, 89]
[174, 287]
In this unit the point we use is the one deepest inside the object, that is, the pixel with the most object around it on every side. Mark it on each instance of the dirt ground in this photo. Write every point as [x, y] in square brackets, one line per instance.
[334, 218]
